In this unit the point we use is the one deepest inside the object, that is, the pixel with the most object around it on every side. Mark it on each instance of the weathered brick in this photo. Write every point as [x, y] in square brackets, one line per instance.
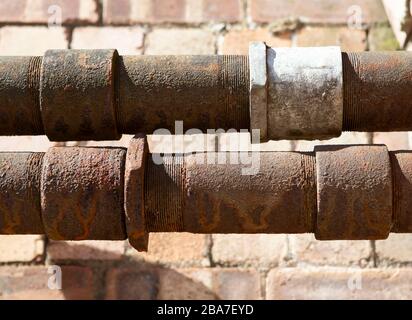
[315, 11]
[178, 11]
[217, 10]
[347, 39]
[339, 283]
[127, 40]
[251, 249]
[345, 138]
[21, 248]
[186, 284]
[32, 283]
[306, 249]
[31, 40]
[397, 248]
[180, 41]
[132, 284]
[182, 249]
[393, 140]
[85, 250]
[43, 11]
[382, 38]
[237, 41]
[154, 282]
[226, 284]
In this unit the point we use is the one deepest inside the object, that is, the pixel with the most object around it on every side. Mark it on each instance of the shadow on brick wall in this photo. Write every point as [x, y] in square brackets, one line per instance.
[127, 278]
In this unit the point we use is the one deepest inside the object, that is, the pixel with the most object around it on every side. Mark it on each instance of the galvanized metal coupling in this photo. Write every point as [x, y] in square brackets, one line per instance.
[286, 93]
[316, 93]
[79, 193]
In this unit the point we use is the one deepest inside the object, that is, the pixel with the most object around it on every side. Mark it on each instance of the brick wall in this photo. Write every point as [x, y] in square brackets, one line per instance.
[201, 266]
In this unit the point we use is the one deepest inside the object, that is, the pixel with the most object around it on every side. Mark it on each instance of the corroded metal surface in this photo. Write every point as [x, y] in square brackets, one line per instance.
[77, 95]
[354, 192]
[134, 192]
[279, 199]
[186, 193]
[206, 92]
[402, 190]
[19, 96]
[97, 95]
[20, 211]
[82, 192]
[78, 193]
[377, 91]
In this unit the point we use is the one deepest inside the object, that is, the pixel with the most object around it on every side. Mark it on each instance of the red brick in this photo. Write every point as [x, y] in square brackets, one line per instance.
[36, 11]
[347, 39]
[237, 41]
[339, 283]
[132, 284]
[177, 11]
[218, 10]
[315, 11]
[32, 283]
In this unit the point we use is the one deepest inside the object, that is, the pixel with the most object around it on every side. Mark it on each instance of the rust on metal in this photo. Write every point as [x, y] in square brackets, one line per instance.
[377, 91]
[354, 192]
[20, 211]
[77, 95]
[79, 193]
[163, 194]
[19, 96]
[186, 193]
[82, 192]
[402, 190]
[134, 192]
[98, 95]
[205, 92]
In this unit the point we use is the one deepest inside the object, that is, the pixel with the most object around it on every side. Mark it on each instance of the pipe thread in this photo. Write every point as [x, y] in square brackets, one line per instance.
[34, 73]
[163, 195]
[309, 181]
[351, 91]
[234, 82]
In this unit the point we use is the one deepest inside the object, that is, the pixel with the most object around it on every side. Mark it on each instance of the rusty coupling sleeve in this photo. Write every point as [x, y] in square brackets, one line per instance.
[286, 93]
[79, 193]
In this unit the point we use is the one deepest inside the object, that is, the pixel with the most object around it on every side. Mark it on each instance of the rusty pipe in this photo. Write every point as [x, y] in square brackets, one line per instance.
[286, 93]
[79, 193]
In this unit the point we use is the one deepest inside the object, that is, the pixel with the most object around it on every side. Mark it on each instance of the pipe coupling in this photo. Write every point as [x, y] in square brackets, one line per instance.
[296, 93]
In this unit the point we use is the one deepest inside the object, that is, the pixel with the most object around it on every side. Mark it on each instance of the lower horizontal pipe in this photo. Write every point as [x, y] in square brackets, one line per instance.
[79, 193]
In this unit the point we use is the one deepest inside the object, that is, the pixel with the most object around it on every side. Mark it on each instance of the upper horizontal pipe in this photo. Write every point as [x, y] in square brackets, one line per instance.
[99, 95]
